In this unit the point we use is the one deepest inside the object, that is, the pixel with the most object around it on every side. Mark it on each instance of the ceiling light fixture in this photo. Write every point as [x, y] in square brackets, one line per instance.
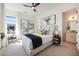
[33, 7]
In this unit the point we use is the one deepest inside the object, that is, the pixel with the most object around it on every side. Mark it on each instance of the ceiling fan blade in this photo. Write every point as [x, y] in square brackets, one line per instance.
[34, 10]
[36, 4]
[33, 4]
[27, 5]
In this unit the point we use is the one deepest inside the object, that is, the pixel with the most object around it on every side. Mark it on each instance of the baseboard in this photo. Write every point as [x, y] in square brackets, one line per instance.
[71, 42]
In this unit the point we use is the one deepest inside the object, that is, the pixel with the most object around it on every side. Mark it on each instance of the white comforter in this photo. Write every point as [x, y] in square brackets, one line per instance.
[27, 43]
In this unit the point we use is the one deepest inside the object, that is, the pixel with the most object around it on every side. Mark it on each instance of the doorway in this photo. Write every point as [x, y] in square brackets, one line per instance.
[10, 28]
[69, 23]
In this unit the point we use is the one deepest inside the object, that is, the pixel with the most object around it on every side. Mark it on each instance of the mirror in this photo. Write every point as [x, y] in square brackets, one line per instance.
[72, 25]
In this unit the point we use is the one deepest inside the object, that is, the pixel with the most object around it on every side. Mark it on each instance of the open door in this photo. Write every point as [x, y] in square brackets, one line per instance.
[69, 23]
[10, 23]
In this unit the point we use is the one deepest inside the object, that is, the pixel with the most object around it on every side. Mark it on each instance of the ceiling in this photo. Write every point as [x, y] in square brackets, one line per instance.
[43, 7]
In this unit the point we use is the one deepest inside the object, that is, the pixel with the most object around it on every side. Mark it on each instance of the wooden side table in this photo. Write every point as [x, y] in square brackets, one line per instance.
[56, 39]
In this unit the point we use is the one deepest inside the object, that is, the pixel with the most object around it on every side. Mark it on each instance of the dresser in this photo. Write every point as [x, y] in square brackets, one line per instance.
[71, 36]
[56, 40]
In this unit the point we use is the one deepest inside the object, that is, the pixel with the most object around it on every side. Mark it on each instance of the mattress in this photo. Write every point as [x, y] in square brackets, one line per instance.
[27, 43]
[46, 38]
[41, 48]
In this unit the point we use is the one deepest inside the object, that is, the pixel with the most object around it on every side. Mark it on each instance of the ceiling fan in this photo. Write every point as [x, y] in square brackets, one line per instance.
[32, 6]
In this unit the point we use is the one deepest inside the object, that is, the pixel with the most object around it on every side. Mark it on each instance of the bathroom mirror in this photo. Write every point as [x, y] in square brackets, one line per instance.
[72, 25]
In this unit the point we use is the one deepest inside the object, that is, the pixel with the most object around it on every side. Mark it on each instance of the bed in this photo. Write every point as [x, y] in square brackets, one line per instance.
[28, 45]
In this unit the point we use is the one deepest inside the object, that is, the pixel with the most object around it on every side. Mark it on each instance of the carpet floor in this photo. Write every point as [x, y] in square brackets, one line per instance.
[0, 52]
[15, 49]
[59, 51]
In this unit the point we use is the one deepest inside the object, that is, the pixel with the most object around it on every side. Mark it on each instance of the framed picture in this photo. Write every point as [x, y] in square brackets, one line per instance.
[24, 25]
[52, 19]
[27, 26]
[46, 23]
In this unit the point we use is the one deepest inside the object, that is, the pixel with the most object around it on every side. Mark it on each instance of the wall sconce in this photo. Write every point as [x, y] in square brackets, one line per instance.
[74, 17]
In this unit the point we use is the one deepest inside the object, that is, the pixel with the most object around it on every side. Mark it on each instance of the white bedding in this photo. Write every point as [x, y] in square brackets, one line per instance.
[27, 43]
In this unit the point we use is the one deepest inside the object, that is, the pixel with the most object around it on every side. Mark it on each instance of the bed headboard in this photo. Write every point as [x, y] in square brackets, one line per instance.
[27, 26]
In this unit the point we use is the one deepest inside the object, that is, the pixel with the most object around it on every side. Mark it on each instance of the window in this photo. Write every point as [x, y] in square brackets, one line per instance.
[10, 19]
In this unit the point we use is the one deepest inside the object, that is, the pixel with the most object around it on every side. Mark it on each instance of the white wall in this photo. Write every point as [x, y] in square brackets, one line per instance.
[78, 30]
[2, 25]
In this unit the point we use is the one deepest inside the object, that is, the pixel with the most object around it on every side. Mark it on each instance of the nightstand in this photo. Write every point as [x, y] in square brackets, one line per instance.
[56, 39]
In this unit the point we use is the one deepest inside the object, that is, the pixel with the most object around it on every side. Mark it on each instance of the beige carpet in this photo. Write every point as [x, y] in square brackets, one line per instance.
[0, 52]
[59, 51]
[15, 49]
